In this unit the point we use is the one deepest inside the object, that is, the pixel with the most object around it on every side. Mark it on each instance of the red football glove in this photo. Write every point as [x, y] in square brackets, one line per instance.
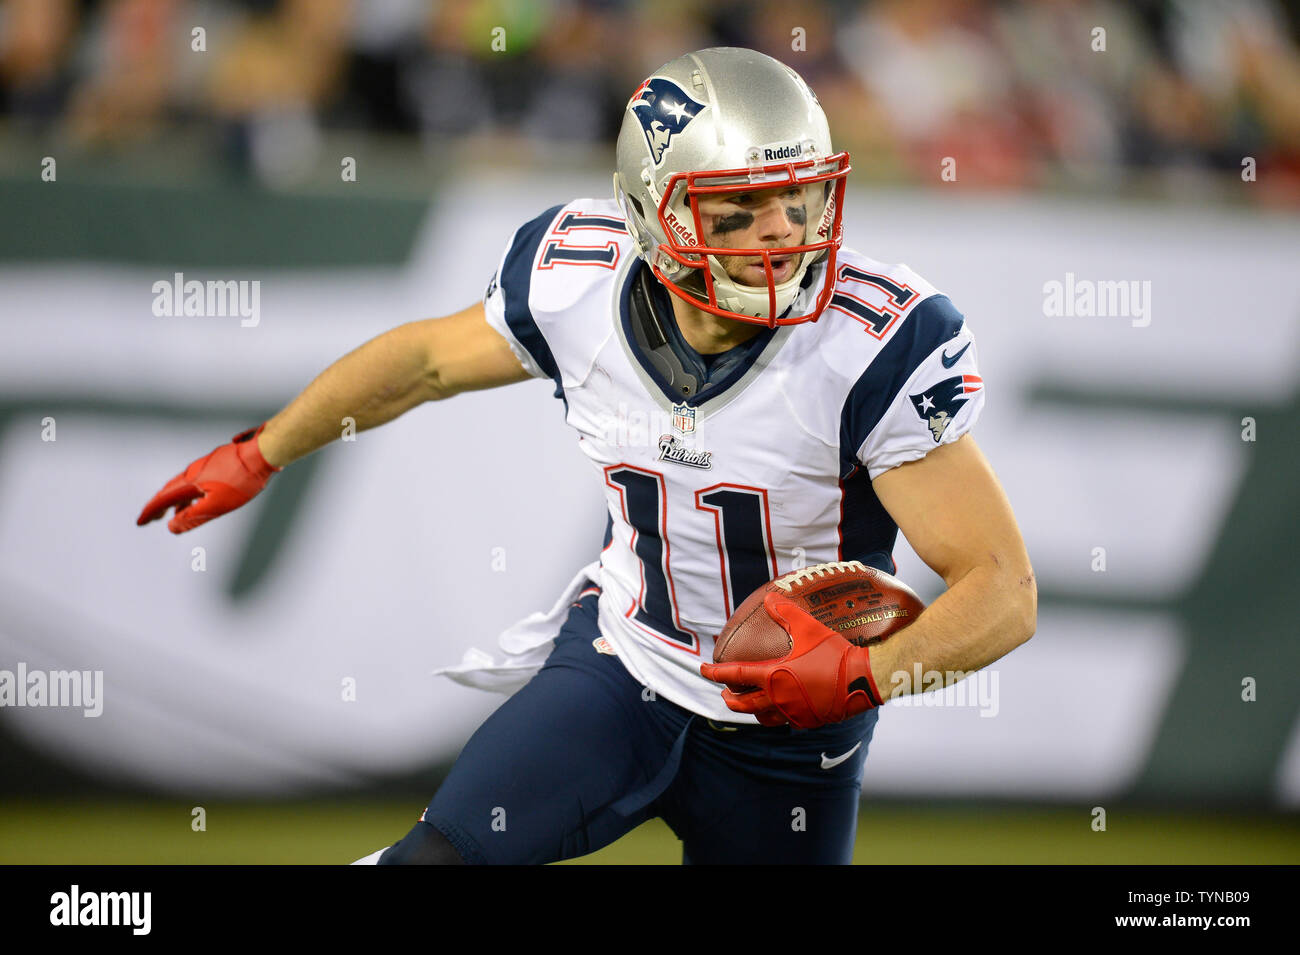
[228, 478]
[823, 679]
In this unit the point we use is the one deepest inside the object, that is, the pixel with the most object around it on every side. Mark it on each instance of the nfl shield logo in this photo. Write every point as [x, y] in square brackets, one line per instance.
[683, 419]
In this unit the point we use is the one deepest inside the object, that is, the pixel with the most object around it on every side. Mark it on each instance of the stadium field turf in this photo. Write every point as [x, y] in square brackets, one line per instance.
[337, 832]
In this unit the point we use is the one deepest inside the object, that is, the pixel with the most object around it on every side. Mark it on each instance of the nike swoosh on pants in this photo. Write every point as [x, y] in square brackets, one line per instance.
[828, 763]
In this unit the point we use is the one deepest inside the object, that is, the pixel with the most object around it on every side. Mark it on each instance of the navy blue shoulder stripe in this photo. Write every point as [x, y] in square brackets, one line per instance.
[928, 326]
[516, 281]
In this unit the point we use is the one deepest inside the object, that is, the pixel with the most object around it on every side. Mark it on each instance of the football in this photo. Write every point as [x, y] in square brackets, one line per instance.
[865, 605]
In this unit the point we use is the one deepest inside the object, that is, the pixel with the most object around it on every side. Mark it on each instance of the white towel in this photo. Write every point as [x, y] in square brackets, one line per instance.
[525, 646]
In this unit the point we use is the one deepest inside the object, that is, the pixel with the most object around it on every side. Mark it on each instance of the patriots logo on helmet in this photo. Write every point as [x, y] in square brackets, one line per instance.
[937, 406]
[664, 110]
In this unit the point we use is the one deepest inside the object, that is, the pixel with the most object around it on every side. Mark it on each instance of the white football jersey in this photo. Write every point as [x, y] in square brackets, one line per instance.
[766, 469]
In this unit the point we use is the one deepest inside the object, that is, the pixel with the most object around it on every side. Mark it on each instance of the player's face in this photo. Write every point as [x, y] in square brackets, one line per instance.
[764, 219]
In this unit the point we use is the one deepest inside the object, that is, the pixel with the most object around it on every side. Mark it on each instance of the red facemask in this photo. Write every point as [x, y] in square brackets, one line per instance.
[684, 249]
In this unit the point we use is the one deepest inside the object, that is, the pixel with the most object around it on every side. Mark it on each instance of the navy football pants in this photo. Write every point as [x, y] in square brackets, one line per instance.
[583, 754]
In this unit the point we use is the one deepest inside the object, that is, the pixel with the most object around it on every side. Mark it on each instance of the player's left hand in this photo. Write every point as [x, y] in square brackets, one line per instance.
[823, 679]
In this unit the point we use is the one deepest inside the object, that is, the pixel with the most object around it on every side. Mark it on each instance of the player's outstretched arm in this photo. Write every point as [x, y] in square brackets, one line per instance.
[387, 376]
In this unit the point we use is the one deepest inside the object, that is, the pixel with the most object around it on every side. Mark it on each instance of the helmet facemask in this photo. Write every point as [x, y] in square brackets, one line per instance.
[695, 272]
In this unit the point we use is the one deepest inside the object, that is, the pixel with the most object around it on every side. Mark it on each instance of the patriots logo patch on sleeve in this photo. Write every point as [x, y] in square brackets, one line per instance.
[939, 404]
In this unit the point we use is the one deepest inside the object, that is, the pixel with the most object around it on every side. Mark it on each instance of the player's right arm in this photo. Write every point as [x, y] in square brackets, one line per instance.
[387, 376]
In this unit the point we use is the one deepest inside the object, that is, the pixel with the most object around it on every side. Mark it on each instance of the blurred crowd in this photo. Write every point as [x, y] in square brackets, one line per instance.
[1023, 94]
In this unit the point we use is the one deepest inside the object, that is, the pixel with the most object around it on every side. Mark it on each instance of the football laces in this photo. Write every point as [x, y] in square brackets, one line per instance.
[795, 578]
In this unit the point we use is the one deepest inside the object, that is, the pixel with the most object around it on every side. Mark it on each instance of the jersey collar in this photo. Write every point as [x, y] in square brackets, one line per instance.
[734, 365]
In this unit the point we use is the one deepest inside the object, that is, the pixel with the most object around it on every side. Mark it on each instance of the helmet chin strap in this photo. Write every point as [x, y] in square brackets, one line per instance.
[753, 300]
[649, 329]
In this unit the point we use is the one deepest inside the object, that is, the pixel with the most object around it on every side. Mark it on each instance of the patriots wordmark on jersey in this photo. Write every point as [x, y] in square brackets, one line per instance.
[718, 479]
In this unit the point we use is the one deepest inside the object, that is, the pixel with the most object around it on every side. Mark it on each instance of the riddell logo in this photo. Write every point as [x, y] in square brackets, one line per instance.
[683, 233]
[783, 152]
[828, 217]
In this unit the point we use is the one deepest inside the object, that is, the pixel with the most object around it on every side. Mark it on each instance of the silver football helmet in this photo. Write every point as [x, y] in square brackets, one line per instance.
[728, 121]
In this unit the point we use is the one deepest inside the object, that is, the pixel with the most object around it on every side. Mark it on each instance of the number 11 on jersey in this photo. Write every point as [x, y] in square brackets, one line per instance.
[746, 557]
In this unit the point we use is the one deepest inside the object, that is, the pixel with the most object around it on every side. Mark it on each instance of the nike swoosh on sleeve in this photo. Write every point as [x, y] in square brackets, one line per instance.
[949, 362]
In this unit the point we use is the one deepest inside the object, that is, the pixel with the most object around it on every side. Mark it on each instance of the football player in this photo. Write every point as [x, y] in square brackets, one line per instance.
[810, 402]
